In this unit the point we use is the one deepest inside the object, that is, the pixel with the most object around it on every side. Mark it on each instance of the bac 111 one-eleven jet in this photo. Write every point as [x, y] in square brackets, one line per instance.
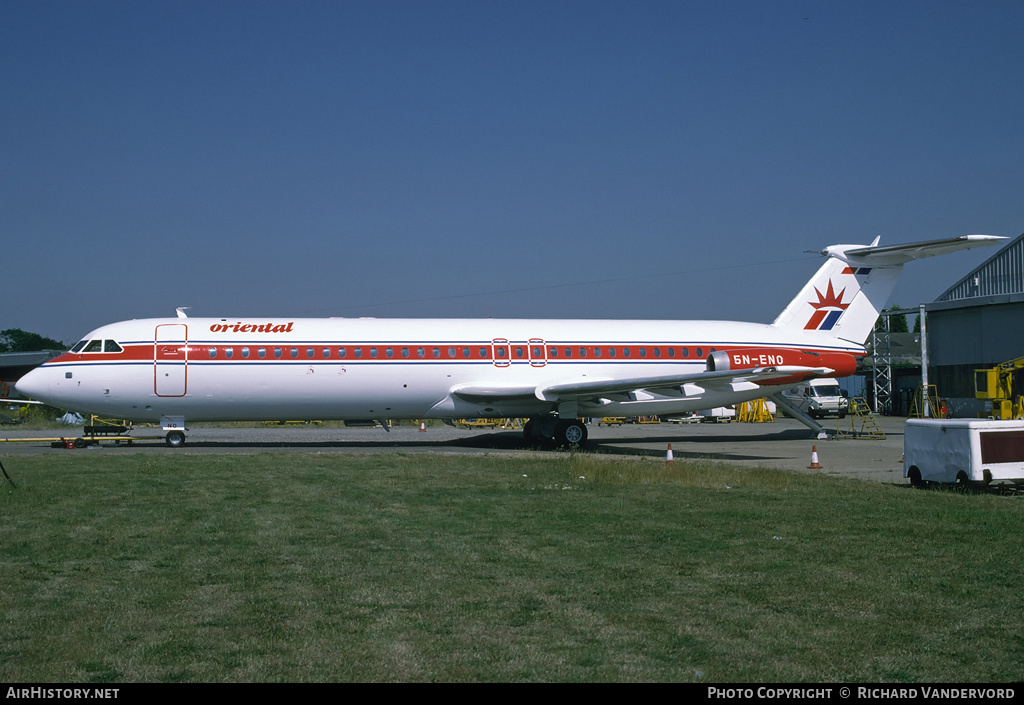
[554, 372]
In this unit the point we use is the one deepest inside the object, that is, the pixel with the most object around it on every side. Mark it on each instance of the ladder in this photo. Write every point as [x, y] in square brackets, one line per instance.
[863, 423]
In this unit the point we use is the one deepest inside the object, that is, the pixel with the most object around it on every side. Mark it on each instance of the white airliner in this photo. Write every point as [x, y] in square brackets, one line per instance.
[182, 369]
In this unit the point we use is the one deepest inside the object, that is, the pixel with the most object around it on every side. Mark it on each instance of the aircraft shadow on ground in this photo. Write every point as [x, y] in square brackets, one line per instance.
[514, 441]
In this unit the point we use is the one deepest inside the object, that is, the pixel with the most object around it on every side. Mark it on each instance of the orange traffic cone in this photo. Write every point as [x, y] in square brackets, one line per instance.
[668, 455]
[814, 459]
[423, 426]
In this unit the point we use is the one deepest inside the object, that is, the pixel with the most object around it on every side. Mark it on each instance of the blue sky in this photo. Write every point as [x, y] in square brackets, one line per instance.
[508, 159]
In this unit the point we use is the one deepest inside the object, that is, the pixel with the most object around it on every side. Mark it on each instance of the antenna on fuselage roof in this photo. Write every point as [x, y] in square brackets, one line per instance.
[181, 311]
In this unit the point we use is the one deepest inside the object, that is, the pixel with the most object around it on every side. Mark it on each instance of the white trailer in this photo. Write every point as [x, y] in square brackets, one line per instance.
[963, 451]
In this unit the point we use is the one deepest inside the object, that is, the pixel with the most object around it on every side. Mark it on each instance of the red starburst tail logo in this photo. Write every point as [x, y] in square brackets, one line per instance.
[828, 308]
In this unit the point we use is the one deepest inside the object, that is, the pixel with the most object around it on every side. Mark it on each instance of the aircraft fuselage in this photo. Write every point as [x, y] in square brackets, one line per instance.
[204, 369]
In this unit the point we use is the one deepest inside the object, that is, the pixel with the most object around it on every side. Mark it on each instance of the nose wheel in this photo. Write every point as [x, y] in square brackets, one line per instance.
[175, 439]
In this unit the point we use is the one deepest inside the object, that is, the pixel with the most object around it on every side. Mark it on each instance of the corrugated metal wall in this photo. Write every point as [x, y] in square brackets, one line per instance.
[1002, 274]
[977, 322]
[976, 335]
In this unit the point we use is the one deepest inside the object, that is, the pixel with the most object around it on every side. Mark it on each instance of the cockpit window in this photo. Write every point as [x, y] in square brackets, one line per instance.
[95, 346]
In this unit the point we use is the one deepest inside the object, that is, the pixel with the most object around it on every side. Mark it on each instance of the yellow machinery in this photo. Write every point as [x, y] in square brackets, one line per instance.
[477, 423]
[1001, 385]
[935, 405]
[756, 411]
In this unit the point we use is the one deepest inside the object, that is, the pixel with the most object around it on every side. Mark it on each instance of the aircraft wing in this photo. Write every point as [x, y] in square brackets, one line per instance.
[667, 384]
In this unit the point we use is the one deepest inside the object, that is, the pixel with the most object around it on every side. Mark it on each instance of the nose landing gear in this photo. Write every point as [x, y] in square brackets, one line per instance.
[175, 439]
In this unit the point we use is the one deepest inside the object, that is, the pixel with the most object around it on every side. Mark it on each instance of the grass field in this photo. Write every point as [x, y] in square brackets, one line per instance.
[337, 567]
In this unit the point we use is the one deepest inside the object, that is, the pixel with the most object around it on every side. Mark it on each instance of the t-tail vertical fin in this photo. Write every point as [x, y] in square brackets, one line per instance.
[844, 298]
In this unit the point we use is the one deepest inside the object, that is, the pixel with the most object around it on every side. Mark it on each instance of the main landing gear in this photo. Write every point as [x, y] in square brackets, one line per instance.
[562, 433]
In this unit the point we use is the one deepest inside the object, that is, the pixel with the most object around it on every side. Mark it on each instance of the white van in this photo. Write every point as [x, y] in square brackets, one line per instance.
[963, 451]
[818, 398]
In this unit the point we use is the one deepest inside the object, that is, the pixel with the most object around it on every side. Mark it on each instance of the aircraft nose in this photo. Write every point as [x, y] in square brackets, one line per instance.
[35, 384]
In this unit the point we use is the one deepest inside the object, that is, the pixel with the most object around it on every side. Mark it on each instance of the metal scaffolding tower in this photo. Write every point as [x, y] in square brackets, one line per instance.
[881, 355]
[882, 358]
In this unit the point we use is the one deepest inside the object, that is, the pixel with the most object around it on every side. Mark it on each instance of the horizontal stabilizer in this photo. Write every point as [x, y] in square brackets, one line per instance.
[900, 254]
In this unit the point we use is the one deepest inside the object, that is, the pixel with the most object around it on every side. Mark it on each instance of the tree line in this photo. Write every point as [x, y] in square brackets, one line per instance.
[16, 340]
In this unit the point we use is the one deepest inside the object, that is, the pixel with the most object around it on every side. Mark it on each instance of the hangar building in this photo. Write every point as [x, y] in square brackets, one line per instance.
[978, 322]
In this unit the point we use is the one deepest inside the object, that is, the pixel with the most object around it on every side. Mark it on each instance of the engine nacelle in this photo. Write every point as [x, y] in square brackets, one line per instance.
[844, 364]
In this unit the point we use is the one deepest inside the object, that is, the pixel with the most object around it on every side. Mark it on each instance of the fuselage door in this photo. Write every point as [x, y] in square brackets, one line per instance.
[170, 360]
